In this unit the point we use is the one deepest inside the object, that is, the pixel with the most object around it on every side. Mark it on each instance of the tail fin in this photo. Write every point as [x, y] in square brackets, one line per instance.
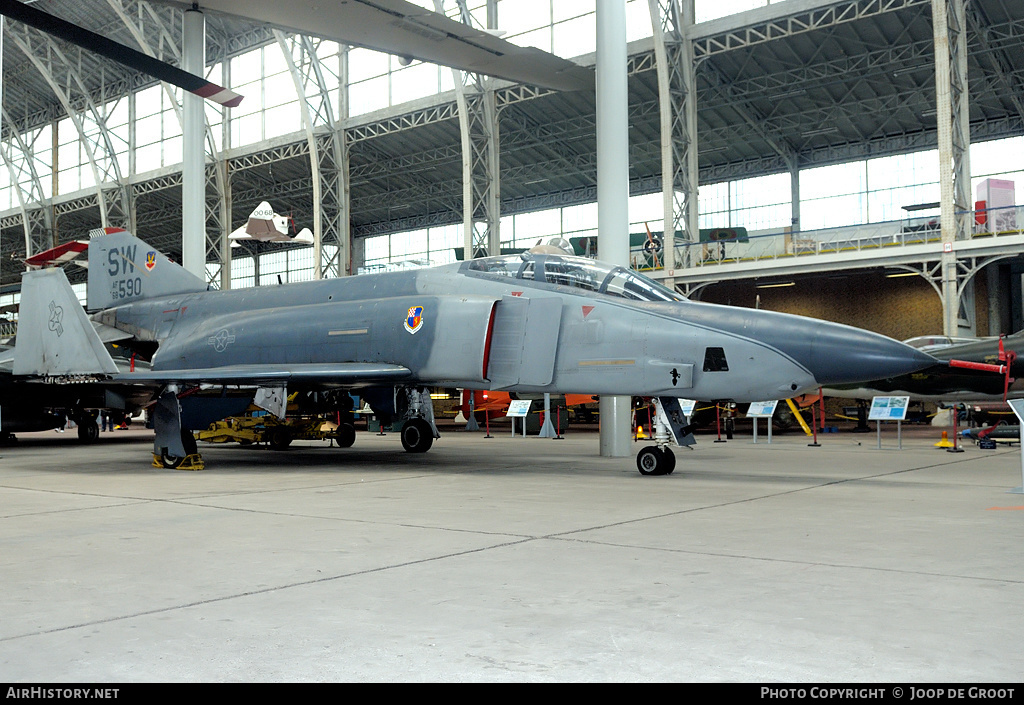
[55, 337]
[122, 269]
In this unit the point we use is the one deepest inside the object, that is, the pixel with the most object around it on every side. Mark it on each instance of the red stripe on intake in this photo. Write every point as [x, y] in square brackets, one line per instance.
[487, 340]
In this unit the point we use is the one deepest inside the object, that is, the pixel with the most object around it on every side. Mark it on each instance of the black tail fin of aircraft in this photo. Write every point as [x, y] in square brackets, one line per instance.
[122, 269]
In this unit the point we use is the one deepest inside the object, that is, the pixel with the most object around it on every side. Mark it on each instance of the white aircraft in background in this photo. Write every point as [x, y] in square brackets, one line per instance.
[264, 225]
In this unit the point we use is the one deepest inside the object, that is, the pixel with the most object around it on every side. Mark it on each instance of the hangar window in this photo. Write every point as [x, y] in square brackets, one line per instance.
[714, 360]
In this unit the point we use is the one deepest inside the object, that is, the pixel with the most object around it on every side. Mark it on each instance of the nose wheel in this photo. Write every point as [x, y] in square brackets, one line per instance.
[656, 460]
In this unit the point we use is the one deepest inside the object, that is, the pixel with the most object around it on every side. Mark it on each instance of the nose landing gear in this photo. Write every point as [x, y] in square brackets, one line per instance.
[655, 460]
[670, 425]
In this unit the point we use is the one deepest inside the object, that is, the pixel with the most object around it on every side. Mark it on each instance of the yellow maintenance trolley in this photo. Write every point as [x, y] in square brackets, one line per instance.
[257, 426]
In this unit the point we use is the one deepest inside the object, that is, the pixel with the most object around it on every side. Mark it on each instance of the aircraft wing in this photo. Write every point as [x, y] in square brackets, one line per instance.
[343, 374]
[410, 31]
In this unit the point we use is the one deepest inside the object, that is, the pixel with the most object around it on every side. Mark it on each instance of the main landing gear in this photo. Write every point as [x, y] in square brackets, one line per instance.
[174, 447]
[417, 409]
[191, 460]
[417, 436]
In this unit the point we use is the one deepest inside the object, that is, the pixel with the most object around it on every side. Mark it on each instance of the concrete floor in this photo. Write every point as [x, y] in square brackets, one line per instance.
[508, 559]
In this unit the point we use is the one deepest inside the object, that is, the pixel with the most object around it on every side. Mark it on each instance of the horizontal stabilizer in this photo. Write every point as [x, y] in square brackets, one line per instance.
[109, 334]
[55, 337]
[344, 374]
[61, 254]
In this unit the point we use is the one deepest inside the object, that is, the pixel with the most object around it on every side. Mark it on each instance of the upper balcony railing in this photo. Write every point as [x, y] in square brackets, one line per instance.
[734, 245]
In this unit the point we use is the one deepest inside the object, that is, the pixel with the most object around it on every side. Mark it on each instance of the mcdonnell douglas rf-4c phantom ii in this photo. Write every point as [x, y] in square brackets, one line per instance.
[530, 323]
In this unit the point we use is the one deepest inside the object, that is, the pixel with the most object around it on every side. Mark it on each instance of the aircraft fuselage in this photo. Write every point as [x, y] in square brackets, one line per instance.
[453, 326]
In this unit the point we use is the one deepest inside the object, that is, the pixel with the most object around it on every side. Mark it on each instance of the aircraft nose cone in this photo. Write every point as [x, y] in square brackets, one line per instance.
[843, 355]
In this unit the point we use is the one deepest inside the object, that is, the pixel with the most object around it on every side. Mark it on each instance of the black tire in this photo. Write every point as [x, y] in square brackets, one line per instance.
[170, 461]
[670, 460]
[417, 436]
[345, 435]
[653, 460]
[191, 448]
[188, 440]
[279, 438]
[88, 431]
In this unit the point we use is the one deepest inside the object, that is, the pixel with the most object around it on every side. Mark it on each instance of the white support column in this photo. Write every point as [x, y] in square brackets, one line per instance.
[613, 187]
[193, 174]
[794, 191]
[951, 102]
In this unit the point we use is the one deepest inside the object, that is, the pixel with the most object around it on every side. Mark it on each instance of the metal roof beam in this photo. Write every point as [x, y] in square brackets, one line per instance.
[765, 25]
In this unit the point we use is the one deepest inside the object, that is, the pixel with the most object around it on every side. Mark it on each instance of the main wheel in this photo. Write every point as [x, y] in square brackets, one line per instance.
[88, 431]
[653, 460]
[417, 436]
[191, 448]
[345, 435]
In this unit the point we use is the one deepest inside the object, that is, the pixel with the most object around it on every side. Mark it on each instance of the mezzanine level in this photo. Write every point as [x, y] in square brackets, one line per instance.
[911, 243]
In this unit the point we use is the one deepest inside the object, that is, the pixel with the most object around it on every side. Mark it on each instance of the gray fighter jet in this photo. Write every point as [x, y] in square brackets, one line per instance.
[526, 323]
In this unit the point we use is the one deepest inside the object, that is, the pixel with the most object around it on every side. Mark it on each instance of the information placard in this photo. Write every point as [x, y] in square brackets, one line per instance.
[519, 407]
[687, 406]
[888, 408]
[1018, 408]
[762, 409]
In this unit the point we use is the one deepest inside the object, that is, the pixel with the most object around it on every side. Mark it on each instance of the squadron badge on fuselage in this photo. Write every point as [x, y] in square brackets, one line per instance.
[414, 319]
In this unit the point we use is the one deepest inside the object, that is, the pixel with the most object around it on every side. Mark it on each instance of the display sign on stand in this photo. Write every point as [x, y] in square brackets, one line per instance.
[518, 408]
[889, 409]
[1018, 408]
[762, 409]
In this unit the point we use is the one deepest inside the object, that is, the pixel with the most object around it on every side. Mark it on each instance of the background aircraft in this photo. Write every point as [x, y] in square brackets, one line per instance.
[26, 406]
[393, 26]
[264, 225]
[411, 33]
[942, 382]
[530, 323]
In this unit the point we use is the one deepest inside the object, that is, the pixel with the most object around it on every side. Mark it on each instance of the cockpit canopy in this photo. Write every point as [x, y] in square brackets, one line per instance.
[576, 272]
